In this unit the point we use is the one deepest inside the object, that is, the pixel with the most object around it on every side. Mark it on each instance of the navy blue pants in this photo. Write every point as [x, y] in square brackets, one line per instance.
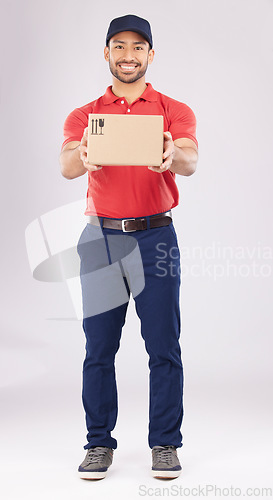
[115, 265]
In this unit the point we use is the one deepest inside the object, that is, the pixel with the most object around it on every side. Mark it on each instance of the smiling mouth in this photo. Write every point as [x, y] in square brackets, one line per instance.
[128, 68]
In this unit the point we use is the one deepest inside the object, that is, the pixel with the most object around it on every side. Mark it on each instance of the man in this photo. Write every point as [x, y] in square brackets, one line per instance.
[139, 200]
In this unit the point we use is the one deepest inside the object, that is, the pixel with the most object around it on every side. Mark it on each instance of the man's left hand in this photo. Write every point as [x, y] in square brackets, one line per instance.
[167, 154]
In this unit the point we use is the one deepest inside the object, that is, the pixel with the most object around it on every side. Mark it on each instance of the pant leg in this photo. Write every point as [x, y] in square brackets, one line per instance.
[158, 309]
[99, 395]
[105, 301]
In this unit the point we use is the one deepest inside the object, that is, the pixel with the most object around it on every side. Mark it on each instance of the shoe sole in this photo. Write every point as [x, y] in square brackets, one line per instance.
[165, 474]
[92, 475]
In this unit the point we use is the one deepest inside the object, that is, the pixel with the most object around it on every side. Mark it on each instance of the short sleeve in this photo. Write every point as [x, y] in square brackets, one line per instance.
[182, 121]
[74, 126]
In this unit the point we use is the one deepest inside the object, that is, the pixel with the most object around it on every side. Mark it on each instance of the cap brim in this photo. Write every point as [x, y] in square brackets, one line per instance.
[140, 32]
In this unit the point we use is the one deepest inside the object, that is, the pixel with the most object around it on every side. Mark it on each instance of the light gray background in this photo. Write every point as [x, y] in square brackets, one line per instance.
[216, 56]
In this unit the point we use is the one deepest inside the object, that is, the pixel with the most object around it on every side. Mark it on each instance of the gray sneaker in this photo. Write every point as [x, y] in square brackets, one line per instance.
[96, 463]
[166, 463]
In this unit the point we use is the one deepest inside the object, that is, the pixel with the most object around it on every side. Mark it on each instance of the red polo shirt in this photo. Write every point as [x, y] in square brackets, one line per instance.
[132, 191]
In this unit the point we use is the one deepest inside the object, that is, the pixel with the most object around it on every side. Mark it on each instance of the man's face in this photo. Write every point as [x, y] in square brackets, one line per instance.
[128, 55]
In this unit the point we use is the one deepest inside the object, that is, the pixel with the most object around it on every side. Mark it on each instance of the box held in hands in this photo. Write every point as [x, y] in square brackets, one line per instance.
[115, 139]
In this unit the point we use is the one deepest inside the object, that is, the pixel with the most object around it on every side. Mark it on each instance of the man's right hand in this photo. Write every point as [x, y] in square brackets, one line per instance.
[83, 153]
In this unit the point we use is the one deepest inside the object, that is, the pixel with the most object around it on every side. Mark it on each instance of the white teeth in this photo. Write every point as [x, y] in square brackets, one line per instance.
[128, 67]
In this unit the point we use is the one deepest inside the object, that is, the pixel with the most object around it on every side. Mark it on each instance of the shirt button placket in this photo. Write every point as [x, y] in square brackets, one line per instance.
[123, 102]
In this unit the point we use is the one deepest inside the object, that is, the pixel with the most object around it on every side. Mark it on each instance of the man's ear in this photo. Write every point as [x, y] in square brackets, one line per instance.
[151, 56]
[106, 53]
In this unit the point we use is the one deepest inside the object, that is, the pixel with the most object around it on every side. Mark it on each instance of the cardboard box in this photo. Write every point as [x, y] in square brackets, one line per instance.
[125, 139]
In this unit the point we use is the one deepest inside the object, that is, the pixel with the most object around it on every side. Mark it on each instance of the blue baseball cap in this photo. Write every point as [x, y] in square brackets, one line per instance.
[130, 23]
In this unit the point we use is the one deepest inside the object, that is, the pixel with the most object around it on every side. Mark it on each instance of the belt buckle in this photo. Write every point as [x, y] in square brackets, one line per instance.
[123, 227]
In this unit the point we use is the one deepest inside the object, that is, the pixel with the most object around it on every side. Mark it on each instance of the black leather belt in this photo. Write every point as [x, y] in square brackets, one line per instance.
[128, 225]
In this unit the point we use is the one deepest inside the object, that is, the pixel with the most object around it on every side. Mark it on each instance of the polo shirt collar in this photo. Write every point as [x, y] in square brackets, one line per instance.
[149, 94]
